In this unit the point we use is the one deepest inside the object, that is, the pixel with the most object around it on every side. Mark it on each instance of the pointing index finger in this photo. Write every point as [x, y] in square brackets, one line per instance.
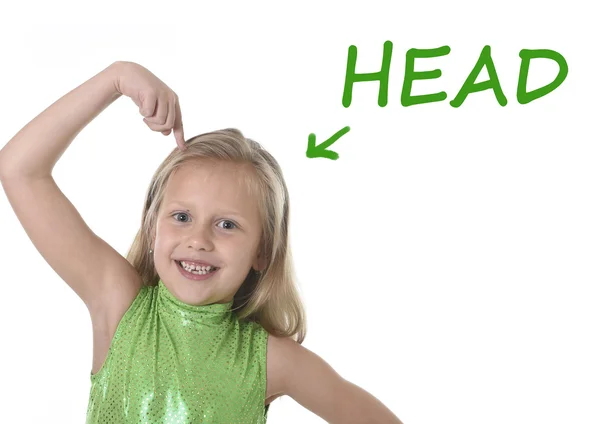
[178, 128]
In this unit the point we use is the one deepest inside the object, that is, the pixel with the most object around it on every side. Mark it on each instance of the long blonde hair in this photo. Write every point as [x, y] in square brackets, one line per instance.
[271, 297]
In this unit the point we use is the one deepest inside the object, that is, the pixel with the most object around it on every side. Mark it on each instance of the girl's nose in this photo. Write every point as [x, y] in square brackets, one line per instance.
[201, 238]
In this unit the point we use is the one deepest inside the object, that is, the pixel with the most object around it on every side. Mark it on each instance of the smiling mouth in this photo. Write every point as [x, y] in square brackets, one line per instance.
[194, 271]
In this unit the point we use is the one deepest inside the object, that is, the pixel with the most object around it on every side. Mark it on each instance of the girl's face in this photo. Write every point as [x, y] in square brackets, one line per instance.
[208, 215]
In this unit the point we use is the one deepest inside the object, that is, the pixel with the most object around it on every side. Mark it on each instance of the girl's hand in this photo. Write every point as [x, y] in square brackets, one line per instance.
[157, 103]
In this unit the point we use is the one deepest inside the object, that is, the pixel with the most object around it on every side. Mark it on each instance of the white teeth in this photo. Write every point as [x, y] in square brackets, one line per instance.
[198, 268]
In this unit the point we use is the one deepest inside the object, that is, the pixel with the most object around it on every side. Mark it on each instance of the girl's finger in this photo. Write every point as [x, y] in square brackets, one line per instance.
[178, 126]
[168, 125]
[148, 104]
[171, 114]
[155, 127]
[160, 116]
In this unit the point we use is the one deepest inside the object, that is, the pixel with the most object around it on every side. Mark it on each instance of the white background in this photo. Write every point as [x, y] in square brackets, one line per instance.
[448, 259]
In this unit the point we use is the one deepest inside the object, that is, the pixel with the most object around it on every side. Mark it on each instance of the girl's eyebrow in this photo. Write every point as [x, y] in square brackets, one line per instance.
[177, 202]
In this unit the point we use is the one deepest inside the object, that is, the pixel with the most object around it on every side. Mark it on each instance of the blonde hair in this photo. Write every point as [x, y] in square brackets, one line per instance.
[270, 297]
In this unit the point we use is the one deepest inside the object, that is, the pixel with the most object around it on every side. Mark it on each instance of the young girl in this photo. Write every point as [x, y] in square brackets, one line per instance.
[183, 325]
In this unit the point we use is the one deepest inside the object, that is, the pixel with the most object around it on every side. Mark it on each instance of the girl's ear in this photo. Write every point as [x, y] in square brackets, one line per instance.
[261, 262]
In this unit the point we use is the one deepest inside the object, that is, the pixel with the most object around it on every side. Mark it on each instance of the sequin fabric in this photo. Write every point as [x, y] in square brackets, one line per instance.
[170, 362]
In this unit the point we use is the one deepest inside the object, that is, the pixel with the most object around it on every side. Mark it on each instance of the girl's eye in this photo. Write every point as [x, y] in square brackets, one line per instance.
[231, 223]
[180, 213]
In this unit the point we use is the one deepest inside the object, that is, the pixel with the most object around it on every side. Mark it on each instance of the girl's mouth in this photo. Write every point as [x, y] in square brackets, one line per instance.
[195, 274]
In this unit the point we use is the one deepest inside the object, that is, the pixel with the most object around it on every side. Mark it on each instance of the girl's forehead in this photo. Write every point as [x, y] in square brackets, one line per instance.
[228, 181]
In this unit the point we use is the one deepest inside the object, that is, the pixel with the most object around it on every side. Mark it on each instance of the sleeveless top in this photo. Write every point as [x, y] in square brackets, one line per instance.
[172, 362]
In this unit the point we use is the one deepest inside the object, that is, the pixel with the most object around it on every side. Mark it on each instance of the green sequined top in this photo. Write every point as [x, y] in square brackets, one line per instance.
[170, 362]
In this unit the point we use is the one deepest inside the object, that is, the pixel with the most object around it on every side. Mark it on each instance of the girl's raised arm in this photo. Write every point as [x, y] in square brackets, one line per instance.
[92, 268]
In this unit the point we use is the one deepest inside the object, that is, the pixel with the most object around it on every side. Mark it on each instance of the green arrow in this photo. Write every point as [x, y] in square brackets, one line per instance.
[320, 151]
